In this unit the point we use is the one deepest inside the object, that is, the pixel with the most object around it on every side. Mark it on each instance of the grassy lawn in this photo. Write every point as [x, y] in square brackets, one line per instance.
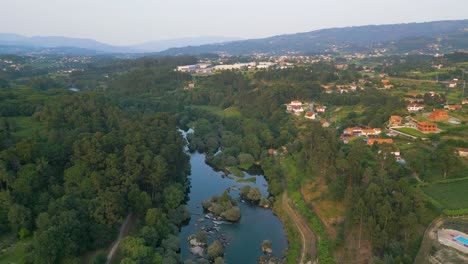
[450, 195]
[26, 126]
[412, 132]
[15, 254]
[342, 112]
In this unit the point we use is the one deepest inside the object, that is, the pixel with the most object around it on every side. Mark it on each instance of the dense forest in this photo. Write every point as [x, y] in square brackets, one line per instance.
[73, 165]
[72, 180]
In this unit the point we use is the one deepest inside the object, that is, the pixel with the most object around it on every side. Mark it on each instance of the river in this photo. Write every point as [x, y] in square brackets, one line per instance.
[245, 237]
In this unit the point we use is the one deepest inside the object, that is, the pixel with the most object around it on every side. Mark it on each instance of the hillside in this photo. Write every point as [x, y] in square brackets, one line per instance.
[397, 37]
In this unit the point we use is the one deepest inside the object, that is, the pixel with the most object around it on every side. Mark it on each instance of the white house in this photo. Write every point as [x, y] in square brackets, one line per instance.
[321, 108]
[414, 107]
[453, 83]
[293, 103]
[297, 110]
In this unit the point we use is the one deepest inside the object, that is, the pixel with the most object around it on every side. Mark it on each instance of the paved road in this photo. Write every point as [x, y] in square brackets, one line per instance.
[307, 236]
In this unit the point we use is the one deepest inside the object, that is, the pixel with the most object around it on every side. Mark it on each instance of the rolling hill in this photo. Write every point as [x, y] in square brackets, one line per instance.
[398, 37]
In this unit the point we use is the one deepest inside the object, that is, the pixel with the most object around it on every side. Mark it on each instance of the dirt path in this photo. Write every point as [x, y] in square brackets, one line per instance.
[123, 232]
[307, 236]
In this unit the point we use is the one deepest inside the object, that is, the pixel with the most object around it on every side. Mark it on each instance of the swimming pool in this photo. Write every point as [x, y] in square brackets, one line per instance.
[462, 240]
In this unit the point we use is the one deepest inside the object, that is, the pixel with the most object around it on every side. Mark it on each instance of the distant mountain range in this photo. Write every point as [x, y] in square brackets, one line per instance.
[435, 36]
[450, 35]
[15, 42]
[156, 46]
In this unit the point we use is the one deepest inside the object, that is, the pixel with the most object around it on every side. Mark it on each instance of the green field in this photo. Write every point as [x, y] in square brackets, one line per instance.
[411, 131]
[15, 254]
[26, 126]
[449, 195]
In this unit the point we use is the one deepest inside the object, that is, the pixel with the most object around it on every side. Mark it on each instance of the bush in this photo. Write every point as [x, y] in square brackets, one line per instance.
[232, 214]
[99, 259]
[215, 250]
[24, 233]
[245, 158]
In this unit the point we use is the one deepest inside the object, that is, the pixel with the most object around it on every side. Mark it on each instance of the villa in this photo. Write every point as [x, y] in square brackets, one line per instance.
[452, 107]
[395, 120]
[415, 107]
[310, 115]
[426, 127]
[321, 108]
[438, 114]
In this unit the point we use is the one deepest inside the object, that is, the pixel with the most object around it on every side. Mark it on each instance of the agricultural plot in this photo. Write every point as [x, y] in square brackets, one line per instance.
[449, 195]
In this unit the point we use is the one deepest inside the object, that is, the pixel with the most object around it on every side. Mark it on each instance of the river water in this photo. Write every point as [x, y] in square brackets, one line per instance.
[243, 238]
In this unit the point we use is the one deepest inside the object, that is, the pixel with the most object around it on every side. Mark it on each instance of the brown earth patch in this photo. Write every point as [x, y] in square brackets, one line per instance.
[330, 212]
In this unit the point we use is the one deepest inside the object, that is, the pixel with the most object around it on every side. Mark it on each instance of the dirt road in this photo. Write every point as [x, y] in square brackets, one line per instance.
[122, 232]
[307, 236]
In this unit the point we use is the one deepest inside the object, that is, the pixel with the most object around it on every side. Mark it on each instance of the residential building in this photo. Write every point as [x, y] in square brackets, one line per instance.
[324, 123]
[352, 131]
[321, 108]
[310, 115]
[357, 131]
[462, 152]
[293, 103]
[453, 83]
[452, 107]
[415, 107]
[395, 120]
[426, 127]
[371, 132]
[438, 114]
[187, 68]
[297, 110]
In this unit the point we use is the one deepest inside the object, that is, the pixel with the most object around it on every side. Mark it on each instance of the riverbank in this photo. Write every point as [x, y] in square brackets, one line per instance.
[242, 239]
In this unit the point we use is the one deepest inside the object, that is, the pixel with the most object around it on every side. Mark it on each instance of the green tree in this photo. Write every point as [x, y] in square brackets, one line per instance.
[215, 250]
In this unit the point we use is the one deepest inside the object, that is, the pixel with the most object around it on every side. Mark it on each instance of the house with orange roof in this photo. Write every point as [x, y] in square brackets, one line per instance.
[371, 132]
[395, 120]
[321, 108]
[297, 110]
[438, 114]
[295, 106]
[310, 115]
[426, 127]
[324, 123]
[452, 107]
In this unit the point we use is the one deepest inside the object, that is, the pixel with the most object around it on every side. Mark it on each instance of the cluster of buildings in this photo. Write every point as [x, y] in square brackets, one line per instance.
[208, 68]
[7, 65]
[340, 88]
[370, 134]
[309, 110]
[396, 121]
[386, 83]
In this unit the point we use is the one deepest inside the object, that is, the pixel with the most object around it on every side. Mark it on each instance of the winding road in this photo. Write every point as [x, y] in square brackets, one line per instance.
[307, 236]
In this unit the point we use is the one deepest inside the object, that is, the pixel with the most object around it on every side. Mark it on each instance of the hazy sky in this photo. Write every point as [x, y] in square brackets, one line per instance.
[124, 22]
